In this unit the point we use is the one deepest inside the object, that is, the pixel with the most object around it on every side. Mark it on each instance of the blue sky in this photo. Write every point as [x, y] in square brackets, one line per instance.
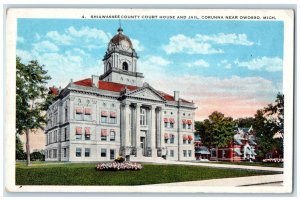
[236, 63]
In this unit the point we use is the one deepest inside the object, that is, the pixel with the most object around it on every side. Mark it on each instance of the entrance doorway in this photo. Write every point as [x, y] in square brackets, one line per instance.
[143, 143]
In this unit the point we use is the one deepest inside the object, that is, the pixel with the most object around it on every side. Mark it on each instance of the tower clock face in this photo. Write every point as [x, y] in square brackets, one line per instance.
[124, 45]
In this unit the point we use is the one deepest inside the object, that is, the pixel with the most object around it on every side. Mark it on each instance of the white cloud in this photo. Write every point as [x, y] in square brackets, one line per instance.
[199, 63]
[202, 44]
[74, 63]
[45, 46]
[270, 64]
[20, 39]
[225, 63]
[137, 45]
[59, 38]
[89, 33]
[184, 44]
[221, 38]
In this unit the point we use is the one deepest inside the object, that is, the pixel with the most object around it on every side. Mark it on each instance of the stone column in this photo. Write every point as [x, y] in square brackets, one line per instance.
[158, 128]
[139, 150]
[153, 132]
[125, 127]
[162, 130]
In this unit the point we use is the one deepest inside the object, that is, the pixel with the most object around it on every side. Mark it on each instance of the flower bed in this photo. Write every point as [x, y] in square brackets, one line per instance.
[273, 160]
[113, 166]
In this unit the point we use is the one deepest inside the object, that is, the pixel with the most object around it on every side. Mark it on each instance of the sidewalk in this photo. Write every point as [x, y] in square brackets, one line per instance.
[270, 180]
[248, 167]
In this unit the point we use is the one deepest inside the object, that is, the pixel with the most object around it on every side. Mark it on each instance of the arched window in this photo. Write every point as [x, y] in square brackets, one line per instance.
[125, 66]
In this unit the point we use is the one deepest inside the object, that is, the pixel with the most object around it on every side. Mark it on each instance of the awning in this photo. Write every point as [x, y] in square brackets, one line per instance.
[78, 130]
[78, 110]
[104, 132]
[113, 114]
[104, 113]
[189, 121]
[166, 120]
[87, 111]
[202, 150]
[87, 130]
[238, 142]
[172, 120]
[167, 136]
[190, 137]
[237, 151]
[185, 137]
[184, 121]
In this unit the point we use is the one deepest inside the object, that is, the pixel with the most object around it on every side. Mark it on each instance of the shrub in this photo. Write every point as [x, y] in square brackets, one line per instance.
[37, 156]
[119, 159]
[113, 166]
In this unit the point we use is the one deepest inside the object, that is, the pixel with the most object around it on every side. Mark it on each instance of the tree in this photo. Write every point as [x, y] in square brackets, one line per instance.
[269, 121]
[216, 131]
[19, 149]
[31, 91]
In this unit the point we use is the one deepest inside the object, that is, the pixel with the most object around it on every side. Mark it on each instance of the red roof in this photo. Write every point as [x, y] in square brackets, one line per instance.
[108, 86]
[53, 90]
[116, 87]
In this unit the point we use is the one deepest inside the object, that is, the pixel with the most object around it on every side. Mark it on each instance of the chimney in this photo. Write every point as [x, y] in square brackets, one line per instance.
[176, 95]
[95, 80]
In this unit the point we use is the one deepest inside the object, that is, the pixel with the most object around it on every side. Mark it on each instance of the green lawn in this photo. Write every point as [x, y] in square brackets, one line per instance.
[280, 165]
[86, 174]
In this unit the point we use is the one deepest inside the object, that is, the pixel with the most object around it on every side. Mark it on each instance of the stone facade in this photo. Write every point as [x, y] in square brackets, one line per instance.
[102, 117]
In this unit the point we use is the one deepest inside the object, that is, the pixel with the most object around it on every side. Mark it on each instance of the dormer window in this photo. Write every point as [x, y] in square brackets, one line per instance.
[125, 66]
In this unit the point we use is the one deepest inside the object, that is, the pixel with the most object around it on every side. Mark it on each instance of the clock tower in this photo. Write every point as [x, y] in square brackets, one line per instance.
[120, 62]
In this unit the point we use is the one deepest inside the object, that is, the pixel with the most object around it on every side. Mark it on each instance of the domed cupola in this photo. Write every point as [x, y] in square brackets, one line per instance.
[120, 61]
[121, 39]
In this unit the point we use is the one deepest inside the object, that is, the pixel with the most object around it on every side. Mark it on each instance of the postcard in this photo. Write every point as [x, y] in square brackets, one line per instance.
[149, 100]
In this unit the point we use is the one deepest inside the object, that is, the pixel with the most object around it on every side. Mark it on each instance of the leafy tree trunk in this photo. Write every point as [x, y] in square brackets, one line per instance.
[28, 163]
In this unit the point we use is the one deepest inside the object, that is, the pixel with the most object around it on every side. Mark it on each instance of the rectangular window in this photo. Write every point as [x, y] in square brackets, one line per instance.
[171, 125]
[78, 133]
[87, 137]
[79, 114]
[172, 139]
[171, 153]
[66, 114]
[166, 140]
[78, 117]
[189, 126]
[189, 141]
[78, 137]
[184, 153]
[87, 134]
[113, 120]
[54, 153]
[184, 141]
[143, 117]
[190, 153]
[103, 119]
[78, 152]
[87, 152]
[50, 153]
[166, 124]
[184, 126]
[112, 135]
[112, 154]
[103, 152]
[87, 117]
[65, 152]
[65, 134]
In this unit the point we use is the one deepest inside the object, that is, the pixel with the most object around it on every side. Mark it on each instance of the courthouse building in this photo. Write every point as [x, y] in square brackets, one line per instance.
[116, 113]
